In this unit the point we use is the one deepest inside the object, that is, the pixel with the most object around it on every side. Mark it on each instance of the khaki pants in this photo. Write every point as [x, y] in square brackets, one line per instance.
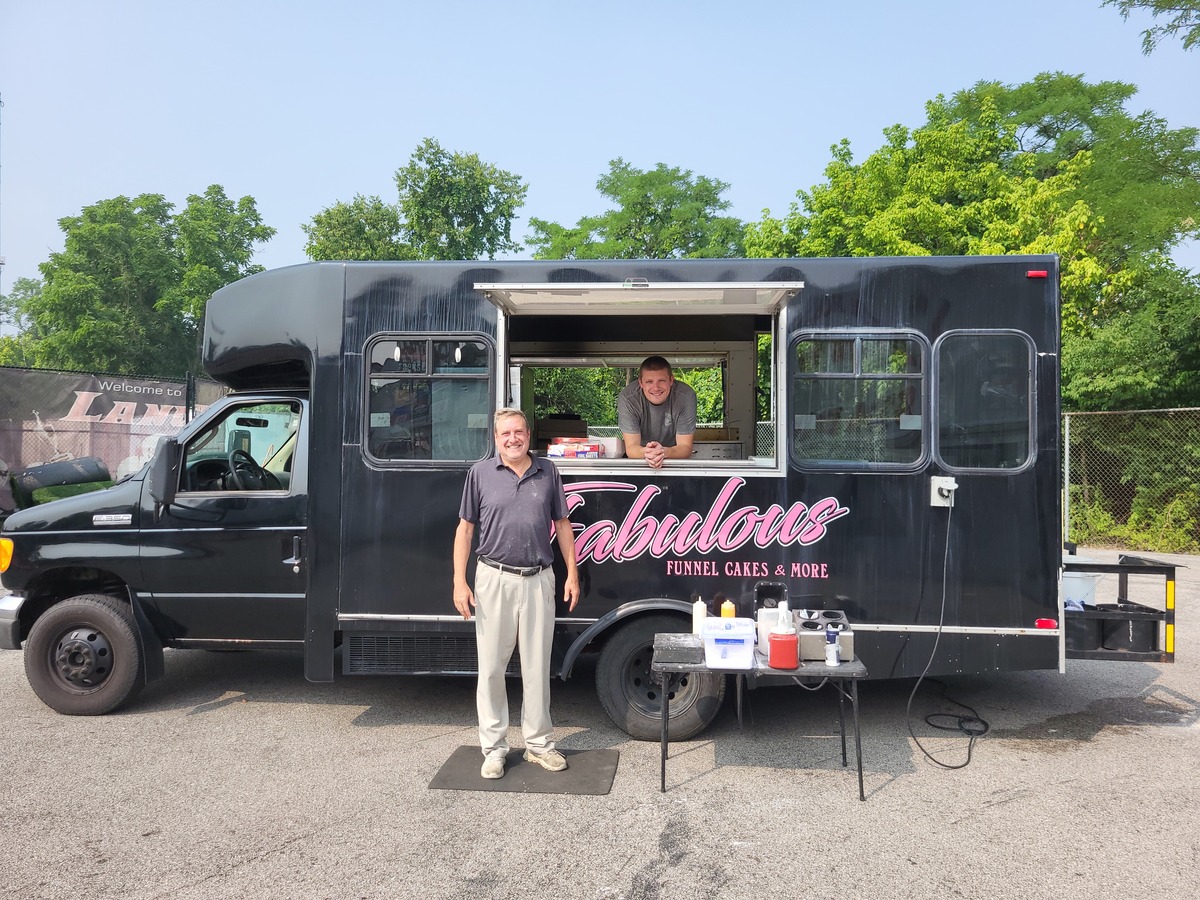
[514, 611]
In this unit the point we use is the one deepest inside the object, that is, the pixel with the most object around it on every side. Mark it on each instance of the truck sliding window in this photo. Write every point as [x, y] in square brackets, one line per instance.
[857, 400]
[985, 396]
[428, 398]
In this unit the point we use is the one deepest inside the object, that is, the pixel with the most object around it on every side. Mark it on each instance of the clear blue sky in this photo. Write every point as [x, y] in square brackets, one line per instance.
[302, 104]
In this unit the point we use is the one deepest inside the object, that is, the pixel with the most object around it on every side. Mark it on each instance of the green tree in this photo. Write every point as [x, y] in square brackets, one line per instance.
[126, 294]
[589, 393]
[663, 213]
[215, 239]
[451, 206]
[1181, 16]
[1142, 183]
[455, 206]
[1146, 358]
[1143, 179]
[17, 349]
[950, 187]
[364, 229]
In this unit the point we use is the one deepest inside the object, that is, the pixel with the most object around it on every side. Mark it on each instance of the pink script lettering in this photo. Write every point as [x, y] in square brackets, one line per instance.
[718, 528]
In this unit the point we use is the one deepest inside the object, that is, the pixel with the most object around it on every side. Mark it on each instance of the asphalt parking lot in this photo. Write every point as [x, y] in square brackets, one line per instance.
[234, 777]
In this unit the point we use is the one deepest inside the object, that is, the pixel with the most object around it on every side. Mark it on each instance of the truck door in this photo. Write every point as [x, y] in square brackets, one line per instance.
[225, 560]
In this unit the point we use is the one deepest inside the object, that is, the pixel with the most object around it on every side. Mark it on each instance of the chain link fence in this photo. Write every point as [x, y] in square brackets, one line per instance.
[1133, 479]
[62, 427]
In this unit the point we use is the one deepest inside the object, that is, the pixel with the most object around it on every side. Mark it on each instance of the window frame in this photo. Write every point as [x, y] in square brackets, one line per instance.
[1030, 402]
[222, 418]
[857, 335]
[429, 338]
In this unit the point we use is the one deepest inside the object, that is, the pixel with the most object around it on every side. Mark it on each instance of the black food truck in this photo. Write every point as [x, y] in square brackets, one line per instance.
[888, 447]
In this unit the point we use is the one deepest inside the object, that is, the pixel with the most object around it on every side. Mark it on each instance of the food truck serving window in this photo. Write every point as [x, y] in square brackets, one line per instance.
[857, 400]
[428, 398]
[985, 397]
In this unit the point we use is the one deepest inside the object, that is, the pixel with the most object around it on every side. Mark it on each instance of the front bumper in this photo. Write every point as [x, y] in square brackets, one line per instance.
[10, 621]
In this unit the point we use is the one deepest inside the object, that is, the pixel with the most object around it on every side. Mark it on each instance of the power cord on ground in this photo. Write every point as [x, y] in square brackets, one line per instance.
[971, 725]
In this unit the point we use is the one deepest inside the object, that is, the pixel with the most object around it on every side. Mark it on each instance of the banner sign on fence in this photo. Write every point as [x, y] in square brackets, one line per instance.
[48, 416]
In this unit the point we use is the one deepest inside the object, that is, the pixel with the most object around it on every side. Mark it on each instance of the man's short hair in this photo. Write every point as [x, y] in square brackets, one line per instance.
[655, 364]
[506, 413]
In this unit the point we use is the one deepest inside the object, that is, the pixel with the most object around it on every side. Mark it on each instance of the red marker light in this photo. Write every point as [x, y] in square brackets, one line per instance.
[1045, 623]
[1037, 273]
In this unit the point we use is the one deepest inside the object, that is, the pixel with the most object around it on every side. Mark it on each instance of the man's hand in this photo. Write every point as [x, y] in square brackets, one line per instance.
[655, 454]
[464, 600]
[571, 591]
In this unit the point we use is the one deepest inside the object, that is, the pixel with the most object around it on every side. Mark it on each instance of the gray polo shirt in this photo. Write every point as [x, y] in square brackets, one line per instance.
[675, 415]
[514, 518]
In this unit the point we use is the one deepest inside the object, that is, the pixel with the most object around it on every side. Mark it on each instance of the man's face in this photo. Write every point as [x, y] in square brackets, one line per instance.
[512, 439]
[656, 384]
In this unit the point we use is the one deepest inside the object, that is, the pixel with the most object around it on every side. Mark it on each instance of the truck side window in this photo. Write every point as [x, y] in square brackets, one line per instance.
[428, 398]
[857, 400]
[250, 448]
[984, 400]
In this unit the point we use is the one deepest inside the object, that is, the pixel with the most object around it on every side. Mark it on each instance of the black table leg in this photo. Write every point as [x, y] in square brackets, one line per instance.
[666, 705]
[739, 685]
[857, 739]
[842, 716]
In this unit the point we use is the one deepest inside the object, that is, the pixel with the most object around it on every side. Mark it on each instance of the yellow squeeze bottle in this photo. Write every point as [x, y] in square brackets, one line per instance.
[728, 610]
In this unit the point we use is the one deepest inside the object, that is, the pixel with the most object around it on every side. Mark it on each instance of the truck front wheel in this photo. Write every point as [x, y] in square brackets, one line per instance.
[82, 657]
[632, 695]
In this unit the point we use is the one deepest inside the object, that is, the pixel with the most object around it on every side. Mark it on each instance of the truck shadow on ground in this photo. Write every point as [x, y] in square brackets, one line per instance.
[782, 727]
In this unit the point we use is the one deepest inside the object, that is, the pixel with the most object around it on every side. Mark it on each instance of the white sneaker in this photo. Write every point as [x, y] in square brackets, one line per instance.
[551, 760]
[493, 767]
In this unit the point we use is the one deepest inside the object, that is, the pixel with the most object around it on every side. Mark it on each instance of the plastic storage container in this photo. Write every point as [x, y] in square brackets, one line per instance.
[728, 643]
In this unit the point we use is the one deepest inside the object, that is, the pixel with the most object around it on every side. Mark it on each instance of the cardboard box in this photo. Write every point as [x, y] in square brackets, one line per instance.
[575, 448]
[728, 642]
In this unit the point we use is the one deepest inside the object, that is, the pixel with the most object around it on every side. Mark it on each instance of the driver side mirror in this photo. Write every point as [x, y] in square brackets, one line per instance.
[164, 471]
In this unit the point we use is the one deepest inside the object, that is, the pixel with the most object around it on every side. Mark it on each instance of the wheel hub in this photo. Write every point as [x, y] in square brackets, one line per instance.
[643, 685]
[83, 657]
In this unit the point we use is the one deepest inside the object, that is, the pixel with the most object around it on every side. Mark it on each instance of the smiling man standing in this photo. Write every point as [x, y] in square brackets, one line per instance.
[511, 499]
[657, 415]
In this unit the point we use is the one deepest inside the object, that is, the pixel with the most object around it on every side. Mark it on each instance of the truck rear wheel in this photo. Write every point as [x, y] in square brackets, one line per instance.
[632, 695]
[82, 657]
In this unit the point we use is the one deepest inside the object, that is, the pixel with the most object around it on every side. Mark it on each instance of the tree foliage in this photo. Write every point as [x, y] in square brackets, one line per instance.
[1146, 358]
[662, 213]
[450, 206]
[1143, 178]
[455, 206]
[950, 187]
[17, 349]
[126, 294]
[366, 228]
[1180, 17]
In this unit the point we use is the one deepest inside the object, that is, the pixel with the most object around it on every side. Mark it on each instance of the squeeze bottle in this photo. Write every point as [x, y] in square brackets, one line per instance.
[699, 614]
[728, 610]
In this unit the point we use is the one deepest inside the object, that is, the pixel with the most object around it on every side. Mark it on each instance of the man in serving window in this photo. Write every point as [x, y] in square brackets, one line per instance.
[657, 415]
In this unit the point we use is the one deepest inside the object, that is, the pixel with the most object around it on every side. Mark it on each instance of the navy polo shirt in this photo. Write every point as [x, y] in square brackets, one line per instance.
[514, 518]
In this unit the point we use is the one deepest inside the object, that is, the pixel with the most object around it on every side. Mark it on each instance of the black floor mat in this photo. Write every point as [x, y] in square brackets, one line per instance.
[587, 772]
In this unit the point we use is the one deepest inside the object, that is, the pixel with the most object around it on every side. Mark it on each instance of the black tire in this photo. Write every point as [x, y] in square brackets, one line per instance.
[631, 694]
[83, 657]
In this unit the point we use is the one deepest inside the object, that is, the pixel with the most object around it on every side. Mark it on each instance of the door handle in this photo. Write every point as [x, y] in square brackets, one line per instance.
[294, 560]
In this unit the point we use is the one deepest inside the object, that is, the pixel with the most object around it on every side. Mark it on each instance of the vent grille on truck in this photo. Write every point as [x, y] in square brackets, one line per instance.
[380, 654]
